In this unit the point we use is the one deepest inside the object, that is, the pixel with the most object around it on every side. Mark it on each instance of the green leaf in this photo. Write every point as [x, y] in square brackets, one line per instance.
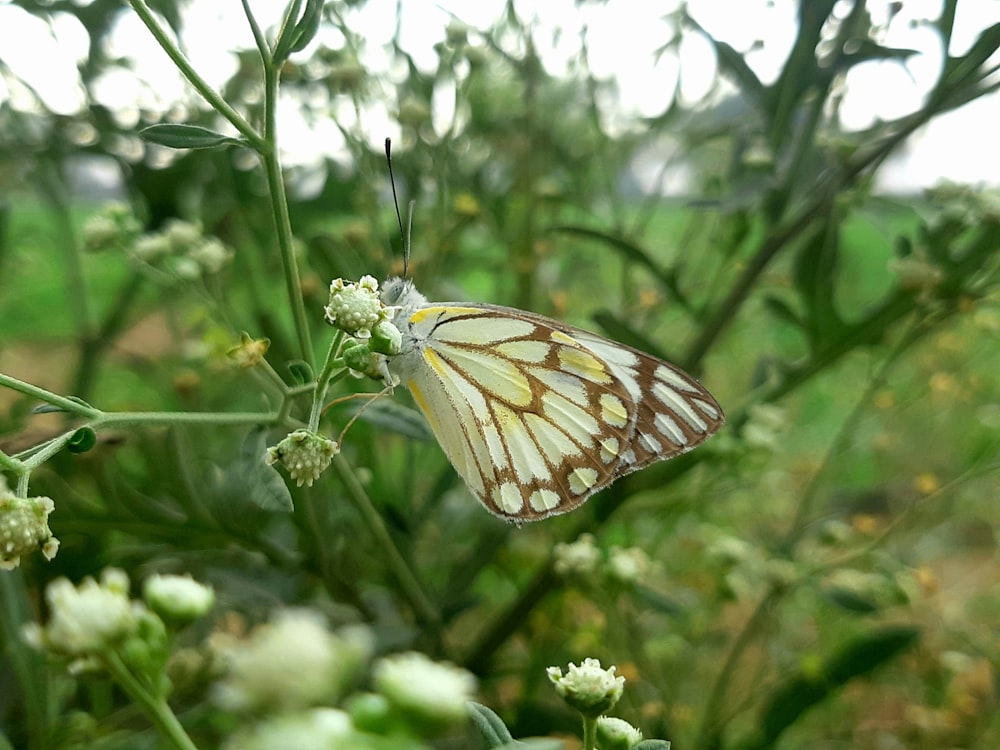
[297, 33]
[306, 29]
[301, 372]
[653, 745]
[803, 691]
[852, 601]
[249, 481]
[396, 417]
[82, 440]
[178, 135]
[628, 250]
[490, 726]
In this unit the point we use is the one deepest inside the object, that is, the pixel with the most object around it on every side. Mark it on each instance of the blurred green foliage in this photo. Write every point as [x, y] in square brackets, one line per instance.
[834, 547]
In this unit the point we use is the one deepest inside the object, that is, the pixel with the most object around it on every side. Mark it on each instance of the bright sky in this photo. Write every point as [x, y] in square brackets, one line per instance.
[959, 146]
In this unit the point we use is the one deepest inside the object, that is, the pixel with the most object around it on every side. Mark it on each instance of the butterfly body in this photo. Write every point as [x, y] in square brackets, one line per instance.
[535, 415]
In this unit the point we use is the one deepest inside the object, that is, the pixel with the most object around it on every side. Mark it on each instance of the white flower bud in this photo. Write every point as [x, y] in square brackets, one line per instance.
[177, 599]
[616, 734]
[89, 618]
[580, 557]
[305, 454]
[315, 729]
[589, 689]
[355, 308]
[291, 663]
[430, 695]
[24, 528]
[628, 564]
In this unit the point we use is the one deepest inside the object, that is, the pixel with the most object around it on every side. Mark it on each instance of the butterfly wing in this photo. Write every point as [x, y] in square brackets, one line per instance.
[535, 415]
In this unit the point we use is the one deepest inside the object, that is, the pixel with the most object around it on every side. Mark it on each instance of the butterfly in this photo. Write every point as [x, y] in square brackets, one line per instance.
[535, 415]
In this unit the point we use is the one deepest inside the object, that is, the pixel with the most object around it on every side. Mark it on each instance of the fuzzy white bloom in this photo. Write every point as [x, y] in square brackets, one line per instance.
[291, 663]
[24, 528]
[588, 688]
[151, 248]
[88, 618]
[628, 564]
[305, 454]
[580, 557]
[315, 729]
[616, 734]
[210, 255]
[431, 695]
[355, 308]
[177, 598]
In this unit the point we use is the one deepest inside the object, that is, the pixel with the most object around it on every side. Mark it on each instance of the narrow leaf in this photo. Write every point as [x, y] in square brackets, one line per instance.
[494, 732]
[396, 417]
[306, 28]
[803, 691]
[179, 135]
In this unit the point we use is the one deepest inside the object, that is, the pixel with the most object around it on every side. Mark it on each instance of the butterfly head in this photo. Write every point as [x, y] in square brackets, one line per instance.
[400, 293]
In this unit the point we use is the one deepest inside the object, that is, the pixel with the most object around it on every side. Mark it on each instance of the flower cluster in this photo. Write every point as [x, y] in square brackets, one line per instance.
[114, 228]
[588, 688]
[182, 250]
[357, 310]
[584, 559]
[24, 527]
[305, 454]
[293, 674]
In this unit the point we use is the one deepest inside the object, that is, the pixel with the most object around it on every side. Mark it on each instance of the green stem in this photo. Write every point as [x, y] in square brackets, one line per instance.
[408, 583]
[589, 732]
[279, 206]
[155, 707]
[207, 92]
[323, 381]
[66, 404]
[151, 418]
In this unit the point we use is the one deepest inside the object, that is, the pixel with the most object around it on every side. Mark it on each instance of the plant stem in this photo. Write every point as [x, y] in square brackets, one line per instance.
[155, 708]
[323, 381]
[412, 589]
[66, 404]
[589, 732]
[279, 206]
[207, 92]
[152, 418]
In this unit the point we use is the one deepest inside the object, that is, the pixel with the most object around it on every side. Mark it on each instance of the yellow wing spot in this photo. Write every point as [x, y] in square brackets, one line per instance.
[609, 449]
[420, 315]
[613, 411]
[583, 364]
[508, 498]
[543, 500]
[581, 480]
[561, 338]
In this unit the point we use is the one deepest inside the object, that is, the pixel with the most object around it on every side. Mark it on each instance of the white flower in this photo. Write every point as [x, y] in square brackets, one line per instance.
[589, 689]
[291, 663]
[431, 695]
[315, 729]
[355, 308]
[628, 564]
[616, 734]
[580, 557]
[177, 598]
[88, 618]
[210, 255]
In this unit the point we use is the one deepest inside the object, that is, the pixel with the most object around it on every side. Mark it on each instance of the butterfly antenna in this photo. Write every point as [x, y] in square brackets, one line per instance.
[403, 236]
